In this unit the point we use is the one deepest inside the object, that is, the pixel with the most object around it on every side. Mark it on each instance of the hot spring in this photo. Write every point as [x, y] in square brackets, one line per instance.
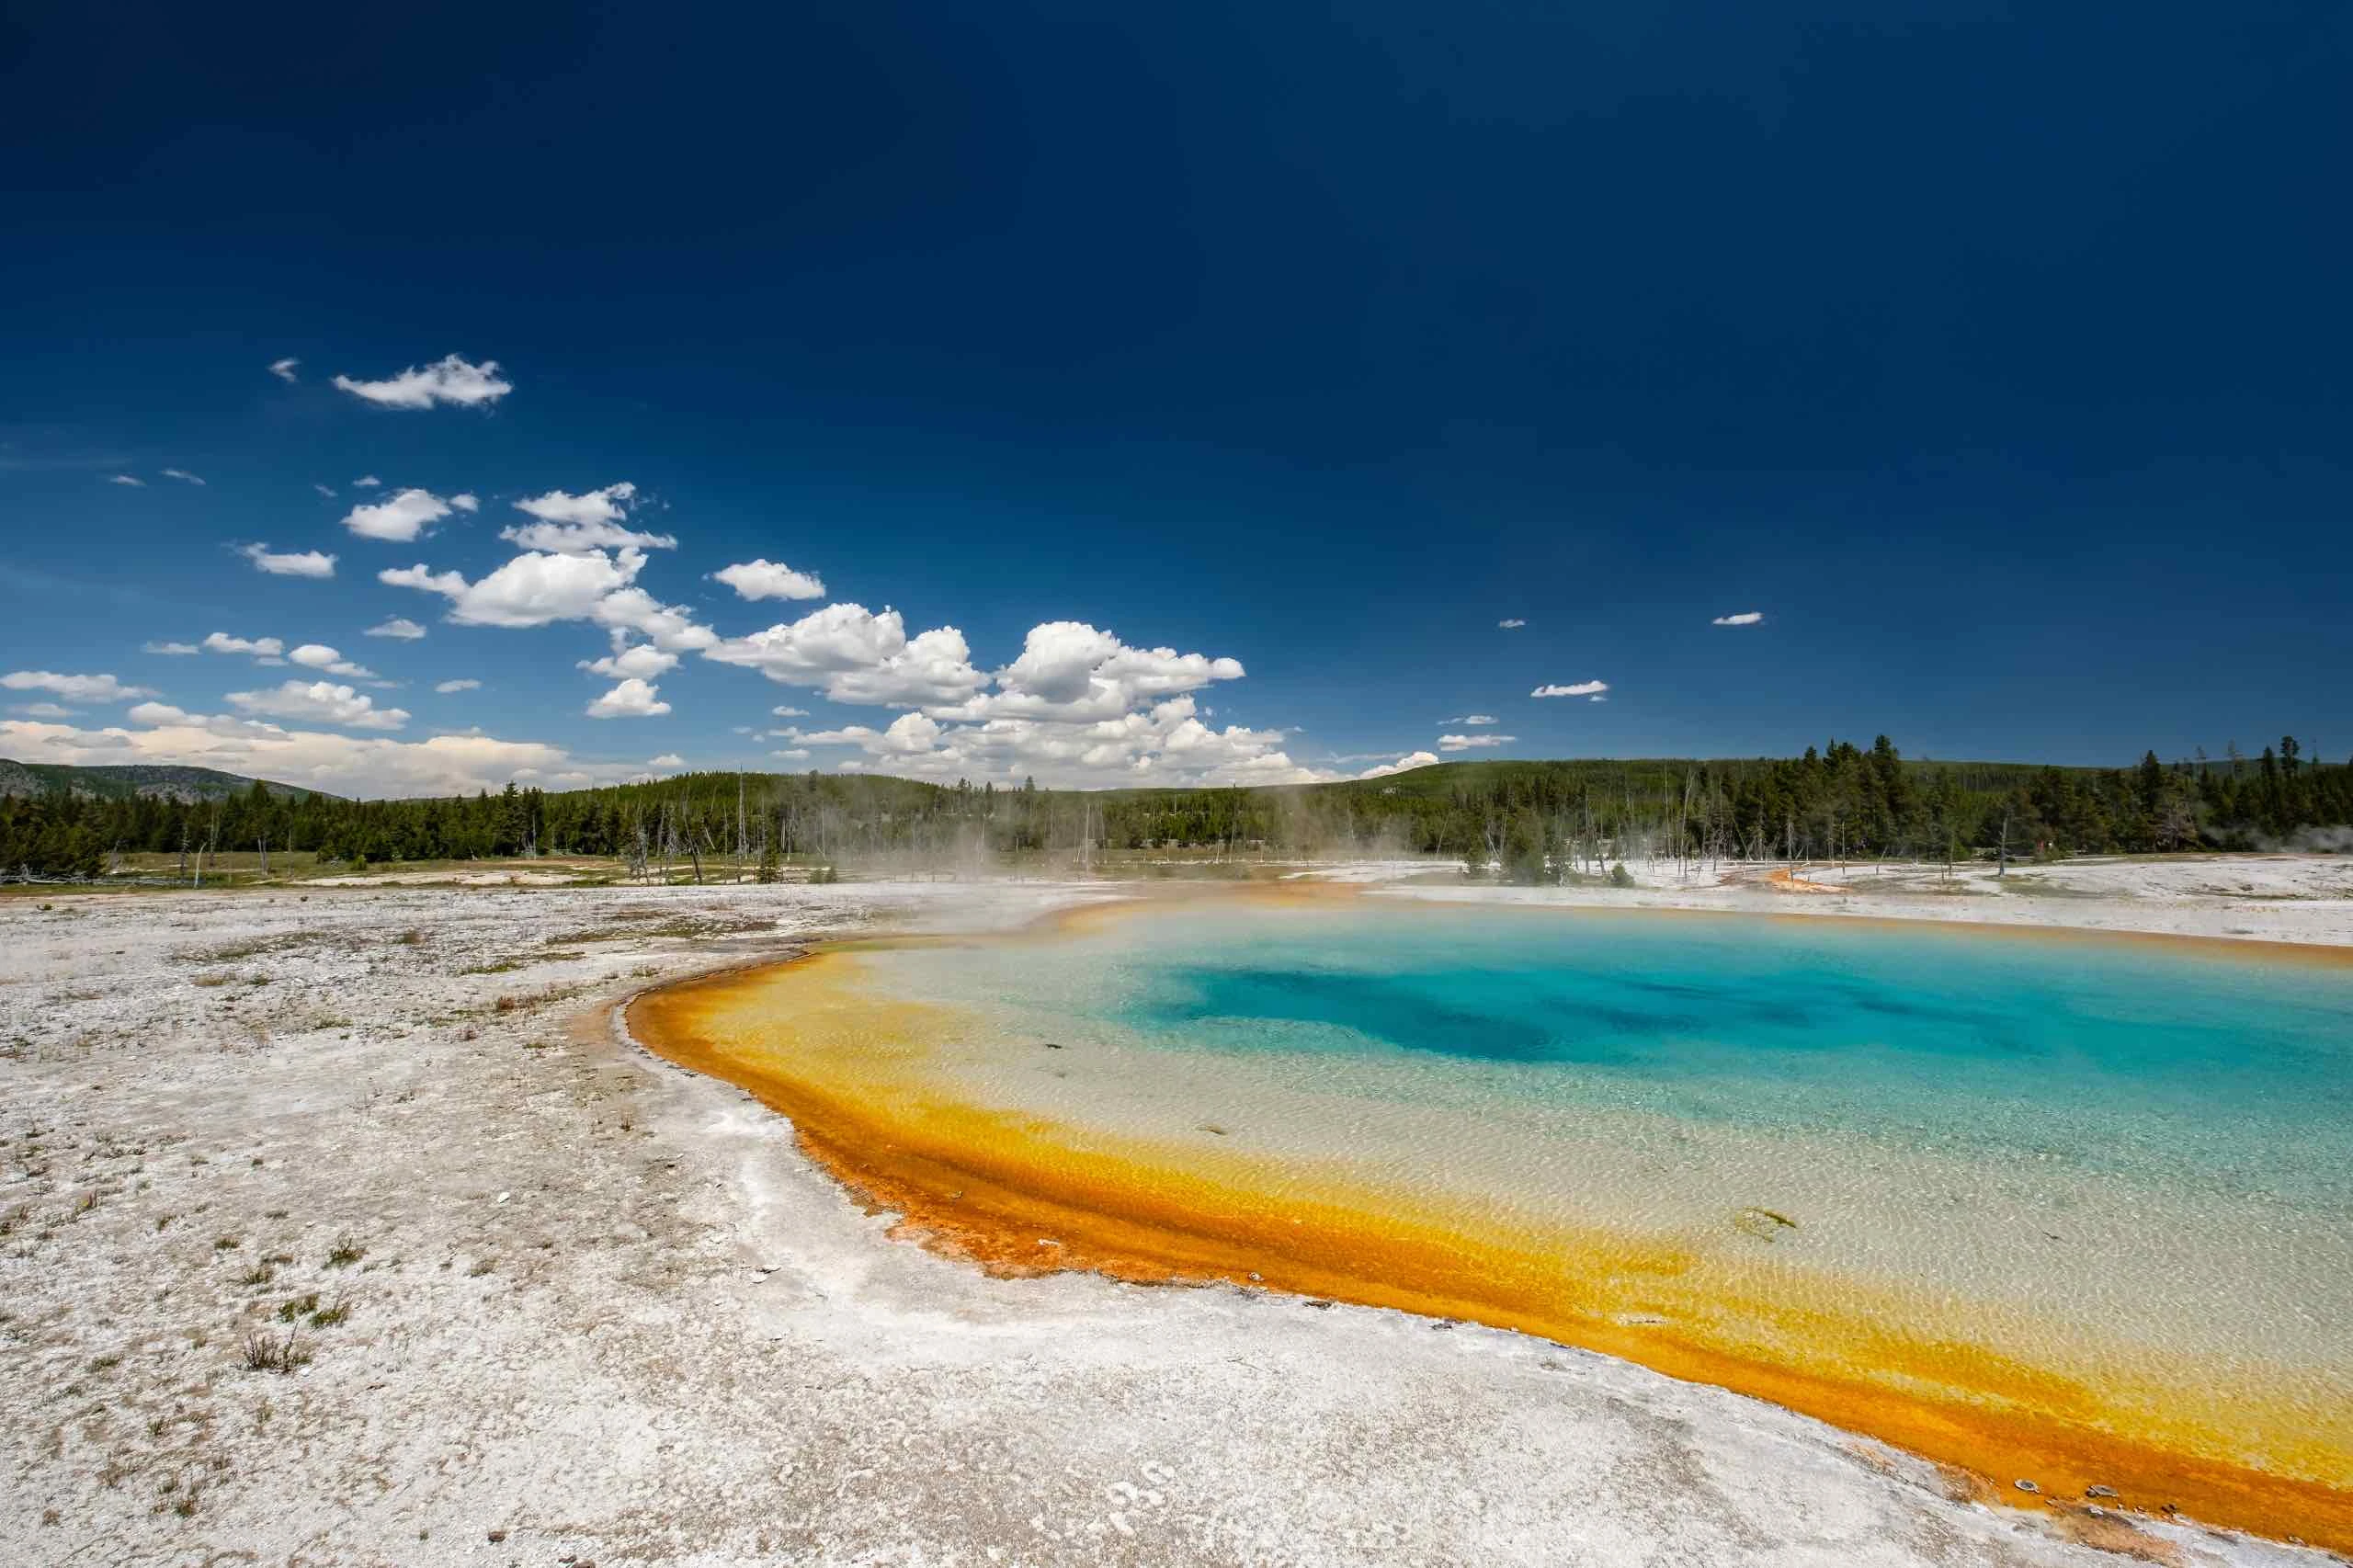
[2046, 1205]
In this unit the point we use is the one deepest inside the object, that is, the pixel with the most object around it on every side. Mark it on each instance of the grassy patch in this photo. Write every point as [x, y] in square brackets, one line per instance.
[346, 1253]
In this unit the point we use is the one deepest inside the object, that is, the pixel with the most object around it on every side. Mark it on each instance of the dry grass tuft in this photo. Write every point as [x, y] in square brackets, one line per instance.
[265, 1352]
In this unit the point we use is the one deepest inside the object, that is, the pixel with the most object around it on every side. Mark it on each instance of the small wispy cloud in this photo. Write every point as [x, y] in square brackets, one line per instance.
[284, 369]
[182, 475]
[258, 647]
[325, 490]
[1473, 718]
[1581, 688]
[1472, 742]
[174, 650]
[296, 563]
[667, 759]
[451, 380]
[1745, 617]
[399, 626]
[73, 689]
[448, 688]
[1512, 625]
[366, 482]
[126, 479]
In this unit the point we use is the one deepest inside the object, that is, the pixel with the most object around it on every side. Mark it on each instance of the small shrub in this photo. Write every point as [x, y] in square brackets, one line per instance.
[328, 1317]
[265, 1352]
[261, 1273]
[346, 1253]
[485, 1266]
[412, 937]
[298, 1306]
[227, 1244]
[1619, 876]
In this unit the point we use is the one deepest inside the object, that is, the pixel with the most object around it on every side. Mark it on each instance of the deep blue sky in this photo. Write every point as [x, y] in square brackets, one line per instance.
[1998, 356]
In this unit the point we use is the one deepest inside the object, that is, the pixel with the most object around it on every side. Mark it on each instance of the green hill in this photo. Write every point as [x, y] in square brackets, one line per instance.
[134, 781]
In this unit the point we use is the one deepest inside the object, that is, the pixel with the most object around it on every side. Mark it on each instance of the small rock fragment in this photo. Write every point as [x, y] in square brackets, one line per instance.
[2023, 1484]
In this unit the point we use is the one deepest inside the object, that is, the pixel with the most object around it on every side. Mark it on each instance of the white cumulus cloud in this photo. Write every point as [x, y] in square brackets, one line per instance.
[448, 687]
[255, 647]
[400, 627]
[642, 660]
[367, 481]
[1405, 764]
[290, 564]
[322, 702]
[319, 656]
[1745, 617]
[1581, 688]
[399, 518]
[766, 579]
[73, 689]
[447, 380]
[530, 590]
[855, 656]
[1512, 625]
[632, 699]
[176, 649]
[1472, 742]
[667, 759]
[594, 519]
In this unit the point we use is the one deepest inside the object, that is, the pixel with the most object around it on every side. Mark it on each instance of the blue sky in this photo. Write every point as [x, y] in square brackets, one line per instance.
[1995, 358]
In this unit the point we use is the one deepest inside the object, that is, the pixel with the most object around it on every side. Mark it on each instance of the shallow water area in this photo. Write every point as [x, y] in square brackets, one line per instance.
[2063, 1208]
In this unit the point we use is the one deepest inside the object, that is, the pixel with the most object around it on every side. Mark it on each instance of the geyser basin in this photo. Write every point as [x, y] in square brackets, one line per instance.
[2061, 1208]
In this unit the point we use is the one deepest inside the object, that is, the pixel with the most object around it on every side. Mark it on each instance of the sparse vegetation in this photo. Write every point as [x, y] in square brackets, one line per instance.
[267, 1352]
[296, 1307]
[346, 1253]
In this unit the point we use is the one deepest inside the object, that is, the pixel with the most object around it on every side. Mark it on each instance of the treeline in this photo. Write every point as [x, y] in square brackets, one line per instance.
[1537, 819]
